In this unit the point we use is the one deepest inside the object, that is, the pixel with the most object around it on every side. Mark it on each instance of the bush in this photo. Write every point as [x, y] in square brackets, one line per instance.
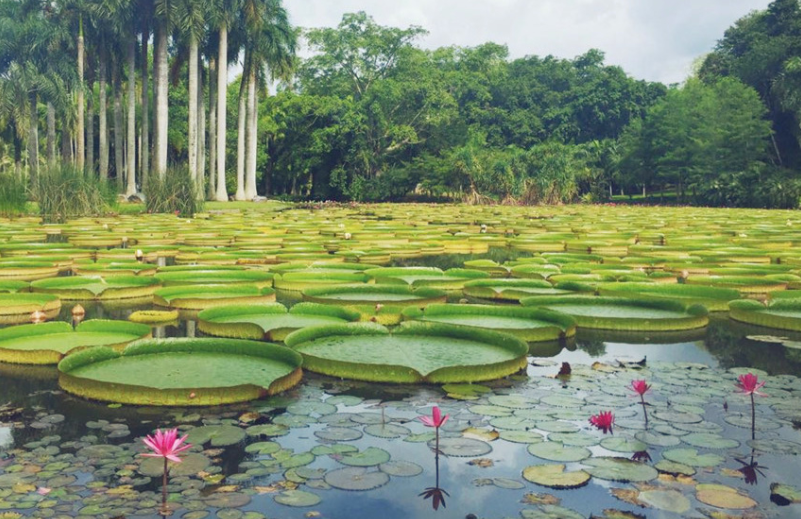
[63, 191]
[13, 194]
[175, 193]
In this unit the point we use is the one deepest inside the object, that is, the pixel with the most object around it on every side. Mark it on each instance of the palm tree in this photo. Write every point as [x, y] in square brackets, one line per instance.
[191, 23]
[223, 16]
[165, 15]
[272, 45]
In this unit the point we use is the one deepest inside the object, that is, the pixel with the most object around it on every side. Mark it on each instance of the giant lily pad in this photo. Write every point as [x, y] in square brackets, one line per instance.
[198, 297]
[181, 372]
[17, 308]
[413, 353]
[87, 288]
[529, 324]
[625, 313]
[374, 294]
[270, 322]
[48, 343]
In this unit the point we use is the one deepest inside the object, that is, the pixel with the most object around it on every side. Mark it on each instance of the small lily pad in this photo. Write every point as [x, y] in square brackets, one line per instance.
[550, 512]
[462, 447]
[554, 476]
[784, 494]
[267, 430]
[369, 457]
[297, 498]
[388, 431]
[401, 468]
[675, 469]
[555, 451]
[620, 469]
[338, 434]
[218, 435]
[710, 441]
[776, 446]
[356, 479]
[667, 500]
[623, 444]
[692, 458]
[521, 436]
[724, 497]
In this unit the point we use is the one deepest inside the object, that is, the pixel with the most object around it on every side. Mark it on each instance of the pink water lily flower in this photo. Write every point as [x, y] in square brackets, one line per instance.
[749, 384]
[166, 444]
[640, 387]
[436, 419]
[603, 421]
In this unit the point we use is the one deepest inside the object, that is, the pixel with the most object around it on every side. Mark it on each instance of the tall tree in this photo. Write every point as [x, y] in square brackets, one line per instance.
[191, 21]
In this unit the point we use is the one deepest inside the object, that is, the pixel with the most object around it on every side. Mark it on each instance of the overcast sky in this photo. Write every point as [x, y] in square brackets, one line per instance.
[656, 40]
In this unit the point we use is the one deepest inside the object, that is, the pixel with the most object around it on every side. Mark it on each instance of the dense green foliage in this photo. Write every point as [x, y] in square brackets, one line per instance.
[13, 194]
[64, 192]
[370, 115]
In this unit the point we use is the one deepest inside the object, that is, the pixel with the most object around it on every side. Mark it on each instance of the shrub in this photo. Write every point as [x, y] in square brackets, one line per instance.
[176, 192]
[64, 191]
[13, 194]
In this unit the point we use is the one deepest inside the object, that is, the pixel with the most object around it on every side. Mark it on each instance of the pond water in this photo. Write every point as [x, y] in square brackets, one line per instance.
[297, 453]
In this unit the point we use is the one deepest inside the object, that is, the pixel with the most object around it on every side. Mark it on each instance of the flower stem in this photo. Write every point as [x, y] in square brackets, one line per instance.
[644, 410]
[164, 490]
[753, 418]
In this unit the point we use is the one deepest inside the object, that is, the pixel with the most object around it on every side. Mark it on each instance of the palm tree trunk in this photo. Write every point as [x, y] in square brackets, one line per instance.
[253, 128]
[33, 137]
[201, 137]
[193, 107]
[240, 144]
[131, 163]
[145, 140]
[81, 103]
[162, 108]
[119, 131]
[90, 130]
[51, 134]
[103, 124]
[222, 71]
[67, 150]
[212, 129]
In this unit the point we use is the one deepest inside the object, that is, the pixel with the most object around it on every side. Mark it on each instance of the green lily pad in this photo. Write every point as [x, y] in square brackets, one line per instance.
[554, 476]
[218, 435]
[356, 479]
[311, 408]
[667, 500]
[490, 410]
[784, 494]
[401, 468]
[462, 447]
[190, 465]
[338, 434]
[270, 430]
[512, 401]
[656, 439]
[724, 497]
[521, 436]
[575, 439]
[709, 441]
[369, 457]
[554, 451]
[512, 423]
[620, 469]
[227, 500]
[263, 448]
[509, 484]
[623, 444]
[550, 512]
[297, 498]
[692, 458]
[675, 469]
[776, 446]
[744, 421]
[388, 431]
[557, 426]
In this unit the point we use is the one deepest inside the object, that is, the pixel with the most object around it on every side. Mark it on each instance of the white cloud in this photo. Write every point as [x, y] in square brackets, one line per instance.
[656, 40]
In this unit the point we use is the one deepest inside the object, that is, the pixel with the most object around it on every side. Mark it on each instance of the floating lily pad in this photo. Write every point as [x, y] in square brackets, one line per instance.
[181, 371]
[227, 500]
[554, 451]
[415, 352]
[401, 468]
[623, 444]
[710, 441]
[692, 458]
[620, 469]
[776, 446]
[190, 464]
[218, 435]
[724, 497]
[667, 500]
[550, 512]
[554, 476]
[297, 498]
[48, 343]
[744, 421]
[657, 439]
[338, 434]
[784, 494]
[521, 436]
[356, 479]
[369, 457]
[462, 447]
[388, 431]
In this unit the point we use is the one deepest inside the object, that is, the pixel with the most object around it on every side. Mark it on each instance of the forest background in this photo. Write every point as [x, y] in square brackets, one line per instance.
[129, 92]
